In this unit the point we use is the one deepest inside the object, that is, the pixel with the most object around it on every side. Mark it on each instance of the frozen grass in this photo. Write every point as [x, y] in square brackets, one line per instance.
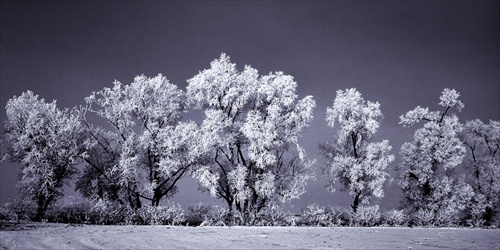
[64, 236]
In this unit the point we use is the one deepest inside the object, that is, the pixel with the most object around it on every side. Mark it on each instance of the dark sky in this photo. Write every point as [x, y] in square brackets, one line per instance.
[399, 53]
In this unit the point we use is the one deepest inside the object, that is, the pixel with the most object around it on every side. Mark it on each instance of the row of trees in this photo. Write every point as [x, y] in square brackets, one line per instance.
[430, 186]
[245, 150]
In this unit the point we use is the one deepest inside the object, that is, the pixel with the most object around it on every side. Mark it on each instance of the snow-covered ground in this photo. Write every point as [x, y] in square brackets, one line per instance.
[62, 236]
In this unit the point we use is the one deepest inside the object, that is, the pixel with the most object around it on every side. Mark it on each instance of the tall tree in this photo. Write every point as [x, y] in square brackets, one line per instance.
[47, 142]
[255, 122]
[358, 164]
[483, 140]
[426, 173]
[151, 149]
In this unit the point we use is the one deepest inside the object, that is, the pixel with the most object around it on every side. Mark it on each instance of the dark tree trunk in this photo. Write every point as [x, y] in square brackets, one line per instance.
[43, 205]
[230, 209]
[355, 204]
[41, 209]
[157, 195]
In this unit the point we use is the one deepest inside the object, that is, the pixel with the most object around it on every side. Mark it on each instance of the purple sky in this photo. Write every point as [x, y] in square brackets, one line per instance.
[399, 53]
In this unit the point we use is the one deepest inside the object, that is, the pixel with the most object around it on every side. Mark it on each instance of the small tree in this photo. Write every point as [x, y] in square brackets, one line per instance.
[359, 165]
[254, 124]
[483, 140]
[47, 142]
[150, 148]
[426, 173]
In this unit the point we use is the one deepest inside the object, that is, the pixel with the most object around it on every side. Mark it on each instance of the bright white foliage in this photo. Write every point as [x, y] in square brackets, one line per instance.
[358, 164]
[483, 141]
[252, 121]
[155, 148]
[46, 141]
[353, 113]
[425, 175]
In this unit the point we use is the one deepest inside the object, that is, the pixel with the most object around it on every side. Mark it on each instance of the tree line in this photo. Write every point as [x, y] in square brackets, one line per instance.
[246, 151]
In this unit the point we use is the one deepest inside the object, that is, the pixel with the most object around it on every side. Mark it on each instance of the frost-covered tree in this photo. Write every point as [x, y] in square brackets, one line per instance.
[254, 124]
[358, 164]
[483, 140]
[100, 180]
[148, 148]
[47, 142]
[426, 172]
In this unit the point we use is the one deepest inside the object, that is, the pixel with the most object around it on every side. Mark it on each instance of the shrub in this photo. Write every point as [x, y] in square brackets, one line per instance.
[272, 215]
[25, 209]
[316, 215]
[394, 218]
[7, 214]
[475, 214]
[366, 216]
[202, 214]
[218, 216]
[481, 213]
[495, 222]
[105, 212]
[172, 214]
[69, 210]
[422, 217]
[446, 217]
[197, 214]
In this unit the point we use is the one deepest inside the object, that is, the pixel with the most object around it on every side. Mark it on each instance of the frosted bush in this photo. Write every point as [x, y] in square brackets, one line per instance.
[202, 214]
[366, 216]
[218, 216]
[105, 212]
[197, 214]
[496, 221]
[7, 214]
[272, 216]
[69, 210]
[446, 217]
[172, 214]
[476, 211]
[423, 217]
[316, 215]
[23, 208]
[394, 218]
[342, 216]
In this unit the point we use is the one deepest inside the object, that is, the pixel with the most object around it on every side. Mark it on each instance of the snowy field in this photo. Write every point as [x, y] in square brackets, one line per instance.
[62, 236]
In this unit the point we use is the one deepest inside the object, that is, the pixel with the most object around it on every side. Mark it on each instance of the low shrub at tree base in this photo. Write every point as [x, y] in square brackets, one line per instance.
[394, 218]
[172, 214]
[316, 215]
[271, 215]
[69, 210]
[24, 209]
[202, 214]
[7, 215]
[367, 216]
